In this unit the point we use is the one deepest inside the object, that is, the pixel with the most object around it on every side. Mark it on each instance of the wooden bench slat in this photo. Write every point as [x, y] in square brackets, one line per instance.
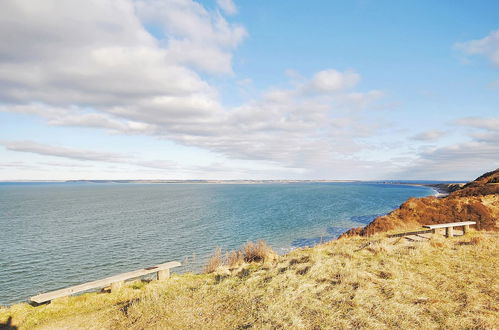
[413, 232]
[102, 283]
[452, 224]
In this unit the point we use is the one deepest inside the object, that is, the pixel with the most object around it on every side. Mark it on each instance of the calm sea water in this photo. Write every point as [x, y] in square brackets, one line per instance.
[54, 235]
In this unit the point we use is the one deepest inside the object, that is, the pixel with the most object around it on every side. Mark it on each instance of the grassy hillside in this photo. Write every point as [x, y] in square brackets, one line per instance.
[358, 282]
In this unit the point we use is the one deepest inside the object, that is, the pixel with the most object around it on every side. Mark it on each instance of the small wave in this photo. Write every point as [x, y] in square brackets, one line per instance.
[438, 194]
[365, 219]
[309, 242]
[332, 234]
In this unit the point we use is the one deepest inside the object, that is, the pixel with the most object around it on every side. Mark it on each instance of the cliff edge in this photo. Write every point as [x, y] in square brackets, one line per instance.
[477, 200]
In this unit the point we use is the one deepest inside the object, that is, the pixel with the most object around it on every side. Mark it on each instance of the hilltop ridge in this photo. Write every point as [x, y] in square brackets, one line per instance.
[477, 200]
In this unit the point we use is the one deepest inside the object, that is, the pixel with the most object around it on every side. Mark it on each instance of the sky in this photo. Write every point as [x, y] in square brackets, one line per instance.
[223, 89]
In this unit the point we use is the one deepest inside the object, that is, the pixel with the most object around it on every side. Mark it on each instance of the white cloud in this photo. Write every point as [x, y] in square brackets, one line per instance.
[82, 155]
[58, 151]
[227, 6]
[109, 58]
[431, 135]
[194, 35]
[487, 46]
[66, 165]
[489, 124]
[77, 116]
[464, 161]
[467, 160]
[485, 130]
[16, 165]
[329, 81]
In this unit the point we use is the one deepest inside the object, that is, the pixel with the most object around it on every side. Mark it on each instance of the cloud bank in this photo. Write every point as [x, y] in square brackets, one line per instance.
[142, 68]
[136, 68]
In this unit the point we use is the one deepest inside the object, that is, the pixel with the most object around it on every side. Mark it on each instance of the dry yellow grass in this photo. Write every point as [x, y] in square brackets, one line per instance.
[249, 252]
[214, 262]
[258, 251]
[369, 283]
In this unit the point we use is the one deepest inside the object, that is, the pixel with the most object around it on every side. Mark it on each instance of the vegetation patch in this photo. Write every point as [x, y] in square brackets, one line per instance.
[342, 283]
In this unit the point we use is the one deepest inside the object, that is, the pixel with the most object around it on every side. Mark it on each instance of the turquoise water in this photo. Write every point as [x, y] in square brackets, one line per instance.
[61, 234]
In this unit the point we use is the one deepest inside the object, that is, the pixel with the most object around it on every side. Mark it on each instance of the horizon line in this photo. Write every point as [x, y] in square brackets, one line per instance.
[222, 180]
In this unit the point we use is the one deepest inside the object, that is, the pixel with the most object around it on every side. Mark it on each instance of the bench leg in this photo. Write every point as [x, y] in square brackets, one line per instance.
[466, 229]
[116, 286]
[163, 274]
[449, 231]
[437, 231]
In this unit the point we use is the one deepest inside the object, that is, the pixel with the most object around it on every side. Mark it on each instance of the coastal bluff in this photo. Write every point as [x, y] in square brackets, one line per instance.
[477, 200]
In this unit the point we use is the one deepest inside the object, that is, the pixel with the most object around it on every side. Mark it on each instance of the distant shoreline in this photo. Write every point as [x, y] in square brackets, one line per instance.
[211, 181]
[184, 181]
[438, 185]
[442, 189]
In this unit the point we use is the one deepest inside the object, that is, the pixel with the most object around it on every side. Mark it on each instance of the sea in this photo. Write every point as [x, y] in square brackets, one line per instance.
[54, 235]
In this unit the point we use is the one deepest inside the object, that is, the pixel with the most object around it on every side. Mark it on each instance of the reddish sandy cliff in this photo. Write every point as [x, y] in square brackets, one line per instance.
[477, 201]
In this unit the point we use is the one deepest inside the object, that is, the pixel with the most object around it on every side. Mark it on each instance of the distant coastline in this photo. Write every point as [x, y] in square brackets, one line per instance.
[441, 189]
[440, 186]
[210, 181]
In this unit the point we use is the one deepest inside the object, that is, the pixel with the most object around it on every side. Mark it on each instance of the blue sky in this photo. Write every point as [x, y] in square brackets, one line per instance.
[179, 89]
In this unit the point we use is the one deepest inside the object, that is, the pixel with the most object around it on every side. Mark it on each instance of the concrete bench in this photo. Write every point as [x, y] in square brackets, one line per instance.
[116, 281]
[449, 227]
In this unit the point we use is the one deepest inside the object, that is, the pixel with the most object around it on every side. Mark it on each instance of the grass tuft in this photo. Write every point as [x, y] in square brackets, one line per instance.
[256, 252]
[234, 259]
[248, 253]
[214, 262]
[475, 240]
